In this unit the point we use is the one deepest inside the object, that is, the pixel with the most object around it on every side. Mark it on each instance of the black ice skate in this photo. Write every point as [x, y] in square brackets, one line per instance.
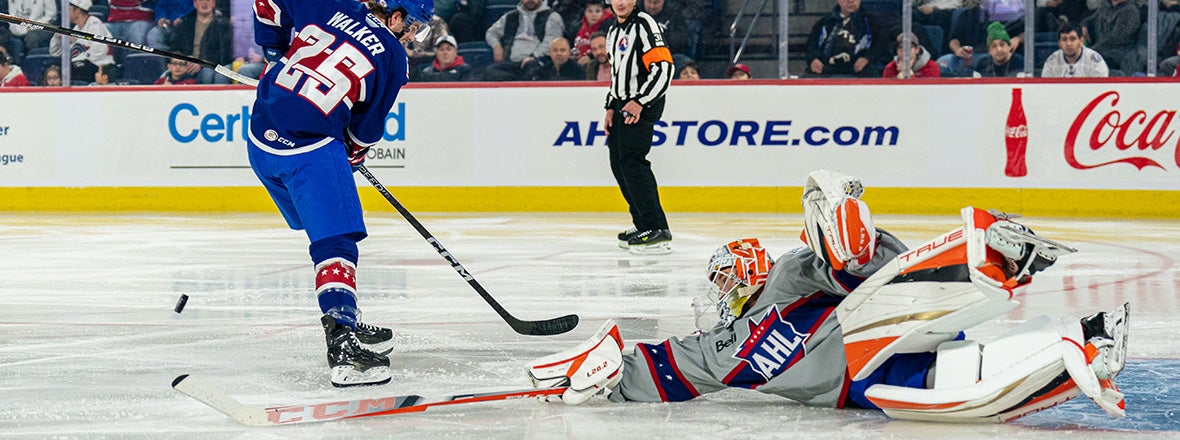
[352, 364]
[379, 339]
[651, 242]
[626, 236]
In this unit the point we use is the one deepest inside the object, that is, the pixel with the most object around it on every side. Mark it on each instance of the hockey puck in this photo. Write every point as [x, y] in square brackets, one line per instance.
[180, 303]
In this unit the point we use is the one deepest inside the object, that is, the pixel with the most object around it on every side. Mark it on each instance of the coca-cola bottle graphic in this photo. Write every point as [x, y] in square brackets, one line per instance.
[1016, 137]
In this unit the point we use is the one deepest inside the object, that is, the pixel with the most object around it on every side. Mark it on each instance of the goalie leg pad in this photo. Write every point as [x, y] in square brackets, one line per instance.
[1037, 365]
[593, 367]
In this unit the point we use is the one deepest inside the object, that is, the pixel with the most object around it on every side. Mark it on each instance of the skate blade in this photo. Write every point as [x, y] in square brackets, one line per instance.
[664, 248]
[347, 376]
[623, 244]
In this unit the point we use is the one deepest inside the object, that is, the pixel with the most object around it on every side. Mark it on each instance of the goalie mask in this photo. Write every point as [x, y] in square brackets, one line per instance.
[842, 234]
[1024, 252]
[737, 270]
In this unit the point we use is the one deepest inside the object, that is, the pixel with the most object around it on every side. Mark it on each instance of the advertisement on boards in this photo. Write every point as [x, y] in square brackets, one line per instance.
[993, 135]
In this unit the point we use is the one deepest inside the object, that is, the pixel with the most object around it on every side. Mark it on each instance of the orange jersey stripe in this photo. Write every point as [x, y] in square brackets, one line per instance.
[655, 55]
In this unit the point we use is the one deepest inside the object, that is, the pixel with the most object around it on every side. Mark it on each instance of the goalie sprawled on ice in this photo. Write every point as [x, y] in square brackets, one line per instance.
[856, 298]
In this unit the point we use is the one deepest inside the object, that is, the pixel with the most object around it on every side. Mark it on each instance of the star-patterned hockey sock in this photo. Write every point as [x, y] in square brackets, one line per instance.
[335, 287]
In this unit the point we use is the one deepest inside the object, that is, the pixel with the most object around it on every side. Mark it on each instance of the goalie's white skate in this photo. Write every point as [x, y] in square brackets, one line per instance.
[1104, 354]
[592, 368]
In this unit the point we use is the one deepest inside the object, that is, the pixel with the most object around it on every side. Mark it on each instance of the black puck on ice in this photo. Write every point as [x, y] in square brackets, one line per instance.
[180, 303]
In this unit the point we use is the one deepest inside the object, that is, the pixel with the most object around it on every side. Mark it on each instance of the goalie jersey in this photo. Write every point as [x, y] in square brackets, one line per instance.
[339, 76]
[787, 342]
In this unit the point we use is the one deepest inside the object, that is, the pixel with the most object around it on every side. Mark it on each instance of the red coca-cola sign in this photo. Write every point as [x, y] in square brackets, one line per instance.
[1116, 135]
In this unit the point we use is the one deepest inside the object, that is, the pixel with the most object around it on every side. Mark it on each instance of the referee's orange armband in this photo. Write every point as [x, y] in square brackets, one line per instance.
[655, 55]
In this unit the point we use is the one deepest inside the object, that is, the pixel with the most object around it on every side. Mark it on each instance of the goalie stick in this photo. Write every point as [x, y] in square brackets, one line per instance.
[117, 42]
[535, 328]
[252, 415]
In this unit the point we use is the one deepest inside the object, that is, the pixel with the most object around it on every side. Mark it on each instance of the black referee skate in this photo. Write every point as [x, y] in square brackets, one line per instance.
[626, 236]
[651, 242]
[352, 364]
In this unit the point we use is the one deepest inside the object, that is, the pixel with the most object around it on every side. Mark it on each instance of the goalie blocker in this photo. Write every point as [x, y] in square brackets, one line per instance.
[923, 299]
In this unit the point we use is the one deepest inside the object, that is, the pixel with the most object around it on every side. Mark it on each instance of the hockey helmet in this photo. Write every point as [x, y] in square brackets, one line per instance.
[737, 269]
[417, 11]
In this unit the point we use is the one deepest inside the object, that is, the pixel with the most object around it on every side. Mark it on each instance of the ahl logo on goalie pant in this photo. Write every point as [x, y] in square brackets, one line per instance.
[773, 344]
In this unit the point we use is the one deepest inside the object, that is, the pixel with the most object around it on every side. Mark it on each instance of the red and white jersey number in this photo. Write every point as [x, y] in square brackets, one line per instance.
[329, 75]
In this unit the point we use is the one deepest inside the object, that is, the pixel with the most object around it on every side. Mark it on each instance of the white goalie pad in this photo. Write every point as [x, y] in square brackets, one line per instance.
[1036, 366]
[924, 297]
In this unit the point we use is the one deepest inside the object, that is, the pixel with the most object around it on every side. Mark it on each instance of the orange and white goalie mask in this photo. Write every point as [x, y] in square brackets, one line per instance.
[840, 233]
[736, 270]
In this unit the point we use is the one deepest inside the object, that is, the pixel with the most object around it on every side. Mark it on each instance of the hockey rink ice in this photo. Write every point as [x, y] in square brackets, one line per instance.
[89, 342]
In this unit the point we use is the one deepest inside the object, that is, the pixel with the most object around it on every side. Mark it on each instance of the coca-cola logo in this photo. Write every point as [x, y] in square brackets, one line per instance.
[1019, 131]
[1132, 134]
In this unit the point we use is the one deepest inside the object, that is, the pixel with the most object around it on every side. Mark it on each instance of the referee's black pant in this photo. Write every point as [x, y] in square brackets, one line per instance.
[629, 145]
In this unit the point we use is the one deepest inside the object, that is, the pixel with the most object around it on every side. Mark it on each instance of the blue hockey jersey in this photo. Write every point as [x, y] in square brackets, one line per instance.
[338, 77]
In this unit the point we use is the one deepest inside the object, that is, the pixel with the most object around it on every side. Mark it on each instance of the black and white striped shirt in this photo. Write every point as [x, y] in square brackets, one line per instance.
[640, 63]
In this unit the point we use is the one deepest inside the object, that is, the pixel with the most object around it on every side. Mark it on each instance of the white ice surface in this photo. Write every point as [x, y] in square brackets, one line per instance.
[89, 342]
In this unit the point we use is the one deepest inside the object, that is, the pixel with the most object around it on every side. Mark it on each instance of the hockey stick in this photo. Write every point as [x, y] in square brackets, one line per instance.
[117, 42]
[250, 415]
[538, 328]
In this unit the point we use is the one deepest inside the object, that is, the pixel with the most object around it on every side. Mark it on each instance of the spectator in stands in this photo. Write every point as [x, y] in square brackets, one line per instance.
[1113, 31]
[739, 72]
[85, 55]
[445, 9]
[106, 75]
[697, 14]
[598, 68]
[448, 65]
[556, 66]
[1074, 60]
[519, 36]
[1169, 64]
[595, 16]
[167, 15]
[844, 42]
[1050, 14]
[688, 71]
[205, 34]
[178, 73]
[919, 57]
[423, 52]
[1000, 60]
[672, 24]
[130, 20]
[970, 31]
[10, 74]
[23, 40]
[936, 12]
[51, 77]
[467, 23]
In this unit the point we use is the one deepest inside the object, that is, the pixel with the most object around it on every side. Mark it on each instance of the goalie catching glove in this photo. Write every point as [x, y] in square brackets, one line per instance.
[594, 367]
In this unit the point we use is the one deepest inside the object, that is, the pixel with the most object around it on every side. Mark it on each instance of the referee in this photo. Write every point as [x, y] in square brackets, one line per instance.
[641, 69]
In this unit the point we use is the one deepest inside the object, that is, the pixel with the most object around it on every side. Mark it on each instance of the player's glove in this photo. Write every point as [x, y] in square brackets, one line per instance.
[356, 153]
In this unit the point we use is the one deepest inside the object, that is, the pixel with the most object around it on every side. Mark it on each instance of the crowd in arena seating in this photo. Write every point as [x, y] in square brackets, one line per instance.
[564, 40]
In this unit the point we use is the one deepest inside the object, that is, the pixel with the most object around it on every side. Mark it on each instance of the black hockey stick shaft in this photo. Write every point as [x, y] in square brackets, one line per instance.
[129, 45]
[538, 328]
